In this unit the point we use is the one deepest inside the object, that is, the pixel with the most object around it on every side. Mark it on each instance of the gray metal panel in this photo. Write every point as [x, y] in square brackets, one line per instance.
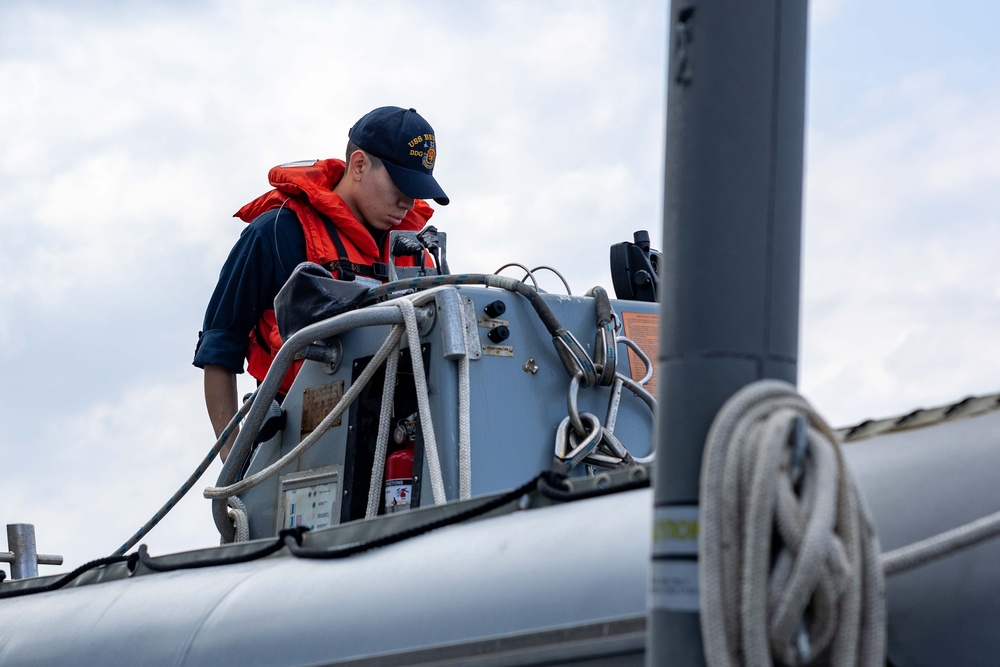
[514, 413]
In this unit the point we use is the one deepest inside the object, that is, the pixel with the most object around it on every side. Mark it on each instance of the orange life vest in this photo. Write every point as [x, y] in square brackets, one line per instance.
[307, 190]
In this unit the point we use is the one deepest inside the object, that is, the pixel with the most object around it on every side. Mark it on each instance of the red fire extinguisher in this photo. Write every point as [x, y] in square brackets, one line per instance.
[399, 469]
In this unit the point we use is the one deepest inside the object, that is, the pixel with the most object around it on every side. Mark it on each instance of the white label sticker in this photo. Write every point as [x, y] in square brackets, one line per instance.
[675, 530]
[397, 495]
[675, 585]
[310, 506]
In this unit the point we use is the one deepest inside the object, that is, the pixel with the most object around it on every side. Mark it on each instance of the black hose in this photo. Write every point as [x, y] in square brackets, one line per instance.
[191, 480]
[603, 305]
[530, 293]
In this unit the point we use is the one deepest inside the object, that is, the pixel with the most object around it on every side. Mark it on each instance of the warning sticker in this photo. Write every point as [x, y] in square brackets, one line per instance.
[643, 329]
[674, 585]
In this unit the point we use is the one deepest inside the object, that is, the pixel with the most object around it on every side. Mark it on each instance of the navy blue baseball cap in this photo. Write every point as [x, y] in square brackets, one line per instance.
[405, 143]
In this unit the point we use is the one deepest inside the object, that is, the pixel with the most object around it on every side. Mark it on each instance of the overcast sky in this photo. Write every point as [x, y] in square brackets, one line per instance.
[131, 131]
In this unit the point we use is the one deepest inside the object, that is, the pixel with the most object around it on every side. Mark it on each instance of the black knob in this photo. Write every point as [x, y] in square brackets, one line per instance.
[495, 309]
[499, 334]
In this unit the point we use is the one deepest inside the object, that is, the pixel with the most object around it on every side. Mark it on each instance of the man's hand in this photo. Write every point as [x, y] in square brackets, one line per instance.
[220, 399]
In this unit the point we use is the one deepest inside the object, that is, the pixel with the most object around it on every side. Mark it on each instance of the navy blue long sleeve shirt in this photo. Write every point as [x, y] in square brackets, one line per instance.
[259, 264]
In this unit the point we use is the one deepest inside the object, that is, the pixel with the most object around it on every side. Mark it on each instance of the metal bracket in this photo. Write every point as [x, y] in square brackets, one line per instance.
[23, 556]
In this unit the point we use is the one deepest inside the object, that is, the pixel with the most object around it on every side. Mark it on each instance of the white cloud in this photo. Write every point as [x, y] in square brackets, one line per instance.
[899, 288]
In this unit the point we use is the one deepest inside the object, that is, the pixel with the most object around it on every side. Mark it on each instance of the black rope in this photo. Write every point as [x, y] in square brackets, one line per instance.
[359, 547]
[544, 313]
[62, 581]
[191, 480]
[155, 565]
[551, 484]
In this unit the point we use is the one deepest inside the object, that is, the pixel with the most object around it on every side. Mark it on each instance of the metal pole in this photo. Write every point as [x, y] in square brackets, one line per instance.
[23, 556]
[21, 541]
[730, 270]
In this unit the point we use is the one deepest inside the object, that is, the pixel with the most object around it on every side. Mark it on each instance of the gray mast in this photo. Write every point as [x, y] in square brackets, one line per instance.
[730, 275]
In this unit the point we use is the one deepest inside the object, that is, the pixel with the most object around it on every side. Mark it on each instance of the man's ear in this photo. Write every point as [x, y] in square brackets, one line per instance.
[356, 164]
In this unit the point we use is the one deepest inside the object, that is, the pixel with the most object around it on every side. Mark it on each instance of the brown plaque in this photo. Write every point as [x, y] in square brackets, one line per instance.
[317, 402]
[643, 329]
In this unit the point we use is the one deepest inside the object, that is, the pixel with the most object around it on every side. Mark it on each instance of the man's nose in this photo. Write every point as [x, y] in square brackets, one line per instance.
[406, 202]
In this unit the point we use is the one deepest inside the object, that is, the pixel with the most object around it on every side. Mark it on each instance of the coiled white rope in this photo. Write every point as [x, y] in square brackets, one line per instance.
[820, 588]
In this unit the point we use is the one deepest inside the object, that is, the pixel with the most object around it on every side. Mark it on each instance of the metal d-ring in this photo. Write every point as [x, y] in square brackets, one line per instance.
[572, 406]
[567, 449]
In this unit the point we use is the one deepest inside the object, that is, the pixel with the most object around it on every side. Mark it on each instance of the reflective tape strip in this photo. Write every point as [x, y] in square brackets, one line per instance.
[675, 530]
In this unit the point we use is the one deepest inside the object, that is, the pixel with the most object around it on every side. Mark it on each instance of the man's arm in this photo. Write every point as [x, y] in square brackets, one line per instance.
[220, 399]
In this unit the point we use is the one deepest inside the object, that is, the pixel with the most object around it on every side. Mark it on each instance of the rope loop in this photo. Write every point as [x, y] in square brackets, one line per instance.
[574, 358]
[789, 559]
[605, 347]
[238, 514]
[570, 448]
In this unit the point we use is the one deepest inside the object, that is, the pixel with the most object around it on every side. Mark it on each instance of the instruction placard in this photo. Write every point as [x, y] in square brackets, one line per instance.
[643, 329]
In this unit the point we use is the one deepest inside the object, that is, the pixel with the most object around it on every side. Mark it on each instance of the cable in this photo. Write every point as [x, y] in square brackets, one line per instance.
[528, 272]
[531, 273]
[549, 320]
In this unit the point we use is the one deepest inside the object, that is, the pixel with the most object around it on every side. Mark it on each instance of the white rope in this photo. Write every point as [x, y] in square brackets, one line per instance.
[464, 430]
[406, 305]
[391, 344]
[382, 442]
[823, 587]
[941, 545]
[423, 402]
[237, 511]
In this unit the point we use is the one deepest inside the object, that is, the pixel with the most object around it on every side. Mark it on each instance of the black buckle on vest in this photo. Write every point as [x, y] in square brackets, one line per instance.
[380, 271]
[342, 268]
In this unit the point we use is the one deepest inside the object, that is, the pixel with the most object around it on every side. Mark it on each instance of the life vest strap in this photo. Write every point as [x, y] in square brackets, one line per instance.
[345, 268]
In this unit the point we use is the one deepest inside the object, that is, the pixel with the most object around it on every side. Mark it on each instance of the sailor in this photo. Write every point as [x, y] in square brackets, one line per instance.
[331, 212]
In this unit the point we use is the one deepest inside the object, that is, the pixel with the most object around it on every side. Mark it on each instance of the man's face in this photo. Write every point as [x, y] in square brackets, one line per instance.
[380, 202]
